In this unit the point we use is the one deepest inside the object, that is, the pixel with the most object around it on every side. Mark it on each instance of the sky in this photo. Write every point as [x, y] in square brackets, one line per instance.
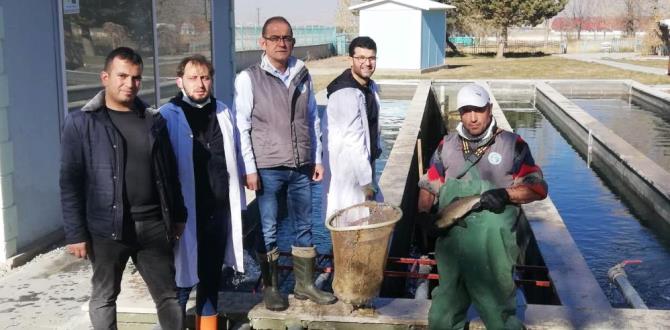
[297, 12]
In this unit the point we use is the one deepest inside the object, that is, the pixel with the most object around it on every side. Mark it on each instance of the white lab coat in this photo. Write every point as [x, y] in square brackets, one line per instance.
[346, 150]
[186, 249]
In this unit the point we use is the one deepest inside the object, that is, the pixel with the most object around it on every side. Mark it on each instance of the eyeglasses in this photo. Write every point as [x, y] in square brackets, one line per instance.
[275, 39]
[362, 59]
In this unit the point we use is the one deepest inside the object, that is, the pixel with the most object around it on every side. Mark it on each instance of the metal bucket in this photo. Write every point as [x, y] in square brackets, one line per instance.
[361, 236]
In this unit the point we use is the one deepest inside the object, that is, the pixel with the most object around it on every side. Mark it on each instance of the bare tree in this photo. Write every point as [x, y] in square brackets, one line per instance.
[632, 13]
[345, 21]
[656, 36]
[579, 11]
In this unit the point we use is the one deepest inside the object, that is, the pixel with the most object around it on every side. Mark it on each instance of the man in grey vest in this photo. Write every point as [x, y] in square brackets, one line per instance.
[280, 143]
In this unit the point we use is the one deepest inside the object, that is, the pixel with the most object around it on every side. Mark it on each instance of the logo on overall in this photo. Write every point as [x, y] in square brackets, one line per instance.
[302, 88]
[495, 158]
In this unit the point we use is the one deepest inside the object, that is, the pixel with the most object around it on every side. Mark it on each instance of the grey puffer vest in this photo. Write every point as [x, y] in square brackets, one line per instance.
[495, 166]
[280, 121]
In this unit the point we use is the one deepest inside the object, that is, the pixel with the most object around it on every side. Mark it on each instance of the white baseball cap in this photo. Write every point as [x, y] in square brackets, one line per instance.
[472, 95]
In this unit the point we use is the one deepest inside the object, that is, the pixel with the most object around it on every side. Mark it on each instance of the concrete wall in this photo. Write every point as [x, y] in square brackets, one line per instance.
[246, 58]
[8, 217]
[396, 91]
[636, 176]
[650, 98]
[513, 92]
[397, 31]
[399, 180]
[591, 88]
[32, 106]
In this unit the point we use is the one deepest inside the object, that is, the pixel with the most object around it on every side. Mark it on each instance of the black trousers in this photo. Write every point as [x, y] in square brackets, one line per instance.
[152, 253]
[211, 231]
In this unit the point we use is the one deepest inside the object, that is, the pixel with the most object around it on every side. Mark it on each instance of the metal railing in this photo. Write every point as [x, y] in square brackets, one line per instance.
[471, 45]
[618, 45]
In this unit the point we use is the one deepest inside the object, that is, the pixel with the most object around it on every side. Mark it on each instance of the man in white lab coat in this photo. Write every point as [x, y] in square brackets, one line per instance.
[202, 132]
[351, 132]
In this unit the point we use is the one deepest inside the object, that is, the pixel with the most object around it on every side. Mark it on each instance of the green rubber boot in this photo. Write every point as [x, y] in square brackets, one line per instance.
[273, 300]
[303, 269]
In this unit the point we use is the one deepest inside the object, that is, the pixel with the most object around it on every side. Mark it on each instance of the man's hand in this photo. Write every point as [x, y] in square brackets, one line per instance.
[252, 181]
[369, 191]
[493, 200]
[318, 172]
[178, 230]
[426, 200]
[79, 250]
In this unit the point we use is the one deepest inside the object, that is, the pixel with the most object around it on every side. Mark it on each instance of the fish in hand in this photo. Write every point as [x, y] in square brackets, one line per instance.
[456, 210]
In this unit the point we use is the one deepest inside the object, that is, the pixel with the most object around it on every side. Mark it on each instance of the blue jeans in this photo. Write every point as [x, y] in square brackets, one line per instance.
[296, 182]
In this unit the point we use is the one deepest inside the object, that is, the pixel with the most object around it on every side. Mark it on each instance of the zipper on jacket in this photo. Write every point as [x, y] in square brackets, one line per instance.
[117, 181]
[113, 134]
[158, 179]
[294, 99]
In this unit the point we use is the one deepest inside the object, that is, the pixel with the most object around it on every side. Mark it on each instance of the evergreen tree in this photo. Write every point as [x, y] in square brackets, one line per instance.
[503, 14]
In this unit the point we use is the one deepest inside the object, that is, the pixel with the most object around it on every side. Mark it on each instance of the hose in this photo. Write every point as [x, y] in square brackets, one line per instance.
[617, 275]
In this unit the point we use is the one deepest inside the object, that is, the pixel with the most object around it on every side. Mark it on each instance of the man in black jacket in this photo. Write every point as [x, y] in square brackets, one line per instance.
[120, 194]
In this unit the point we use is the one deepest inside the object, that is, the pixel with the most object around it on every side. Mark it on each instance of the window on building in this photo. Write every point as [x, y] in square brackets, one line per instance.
[93, 28]
[184, 28]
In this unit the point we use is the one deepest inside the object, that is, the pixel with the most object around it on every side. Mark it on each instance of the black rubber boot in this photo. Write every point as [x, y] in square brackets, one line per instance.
[303, 269]
[273, 300]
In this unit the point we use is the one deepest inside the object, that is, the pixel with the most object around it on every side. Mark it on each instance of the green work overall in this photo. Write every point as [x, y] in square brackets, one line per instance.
[475, 261]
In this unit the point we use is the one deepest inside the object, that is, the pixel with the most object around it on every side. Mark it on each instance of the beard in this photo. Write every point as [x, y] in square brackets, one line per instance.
[198, 99]
[193, 98]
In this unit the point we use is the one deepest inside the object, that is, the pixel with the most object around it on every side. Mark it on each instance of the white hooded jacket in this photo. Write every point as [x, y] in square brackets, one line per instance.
[347, 149]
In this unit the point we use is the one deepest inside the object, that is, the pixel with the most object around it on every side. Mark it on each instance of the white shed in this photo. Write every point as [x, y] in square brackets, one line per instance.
[410, 34]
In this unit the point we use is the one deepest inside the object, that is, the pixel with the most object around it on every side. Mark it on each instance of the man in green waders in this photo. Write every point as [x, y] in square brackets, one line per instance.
[476, 257]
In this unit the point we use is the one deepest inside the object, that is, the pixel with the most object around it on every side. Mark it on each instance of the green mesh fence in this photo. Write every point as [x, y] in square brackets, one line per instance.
[246, 37]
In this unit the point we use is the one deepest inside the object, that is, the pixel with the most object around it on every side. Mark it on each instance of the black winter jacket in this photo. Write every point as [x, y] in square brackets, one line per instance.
[92, 164]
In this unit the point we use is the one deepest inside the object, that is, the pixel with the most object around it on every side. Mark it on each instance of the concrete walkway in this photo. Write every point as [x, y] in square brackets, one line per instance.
[46, 293]
[605, 58]
[662, 88]
[52, 291]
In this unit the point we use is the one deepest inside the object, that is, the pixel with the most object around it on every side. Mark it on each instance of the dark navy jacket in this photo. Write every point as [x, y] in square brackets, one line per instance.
[92, 164]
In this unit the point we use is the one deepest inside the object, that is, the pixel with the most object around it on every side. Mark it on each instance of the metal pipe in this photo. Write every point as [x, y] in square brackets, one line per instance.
[617, 275]
[157, 75]
[422, 284]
